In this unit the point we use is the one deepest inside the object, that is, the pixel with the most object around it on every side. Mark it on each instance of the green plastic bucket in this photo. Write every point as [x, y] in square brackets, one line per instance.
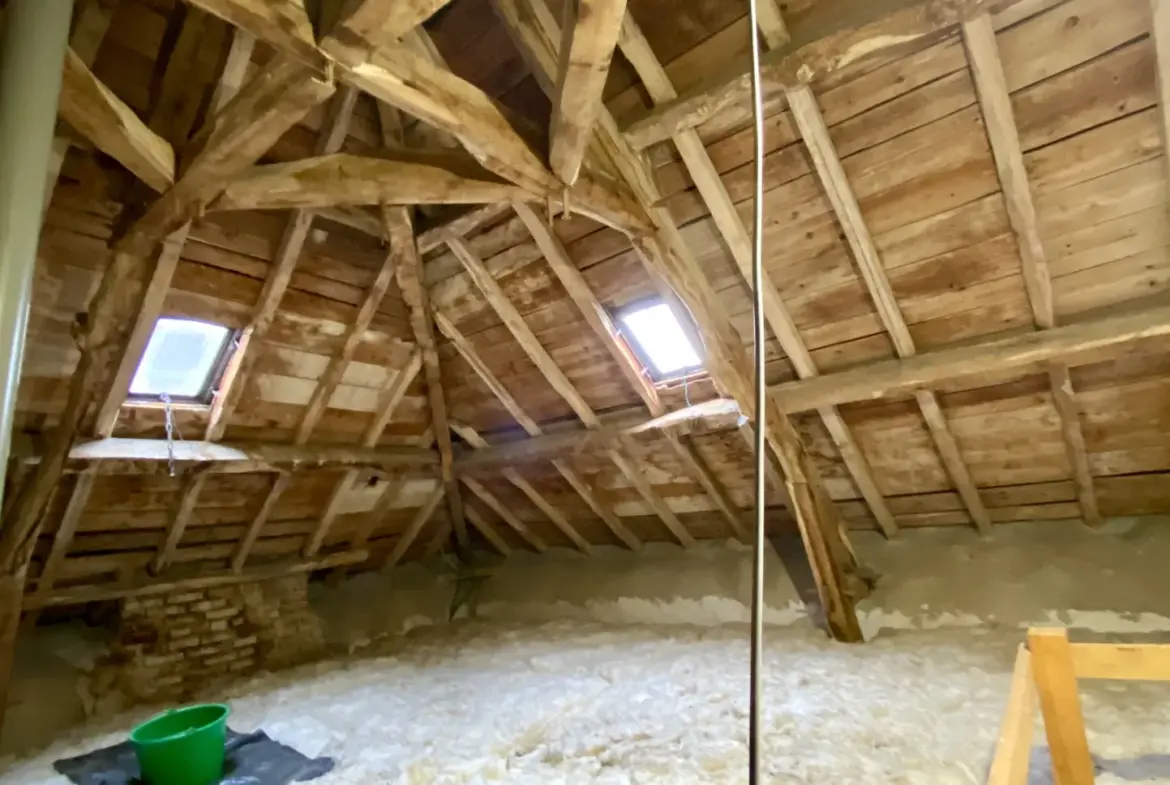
[182, 746]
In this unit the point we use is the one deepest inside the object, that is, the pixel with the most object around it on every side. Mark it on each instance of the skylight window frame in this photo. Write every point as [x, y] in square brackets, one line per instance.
[211, 382]
[640, 351]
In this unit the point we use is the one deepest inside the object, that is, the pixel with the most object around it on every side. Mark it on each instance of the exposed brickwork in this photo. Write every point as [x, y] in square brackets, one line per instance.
[174, 646]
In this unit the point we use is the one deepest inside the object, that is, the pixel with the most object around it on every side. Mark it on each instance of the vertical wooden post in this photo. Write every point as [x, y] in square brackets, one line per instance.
[1013, 751]
[1060, 703]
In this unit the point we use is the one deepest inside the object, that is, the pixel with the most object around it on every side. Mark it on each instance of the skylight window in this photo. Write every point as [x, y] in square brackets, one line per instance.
[659, 340]
[183, 361]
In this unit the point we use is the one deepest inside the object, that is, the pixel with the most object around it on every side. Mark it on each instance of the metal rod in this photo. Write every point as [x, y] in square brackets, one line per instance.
[755, 721]
[32, 51]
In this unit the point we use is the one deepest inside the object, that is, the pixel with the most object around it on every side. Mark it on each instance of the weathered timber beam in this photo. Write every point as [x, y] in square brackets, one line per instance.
[1160, 33]
[832, 37]
[591, 32]
[248, 126]
[105, 120]
[999, 122]
[147, 586]
[506, 515]
[815, 133]
[296, 231]
[237, 456]
[182, 509]
[284, 24]
[63, 537]
[407, 538]
[1026, 352]
[461, 225]
[727, 220]
[354, 217]
[280, 482]
[232, 77]
[343, 179]
[571, 476]
[89, 29]
[365, 24]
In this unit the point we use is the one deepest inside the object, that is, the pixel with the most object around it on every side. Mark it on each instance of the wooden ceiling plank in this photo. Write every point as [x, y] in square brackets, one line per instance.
[727, 220]
[472, 437]
[247, 127]
[333, 132]
[494, 504]
[678, 276]
[467, 351]
[280, 483]
[839, 36]
[92, 23]
[407, 538]
[112, 127]
[63, 537]
[999, 122]
[815, 132]
[114, 396]
[591, 33]
[180, 516]
[347, 180]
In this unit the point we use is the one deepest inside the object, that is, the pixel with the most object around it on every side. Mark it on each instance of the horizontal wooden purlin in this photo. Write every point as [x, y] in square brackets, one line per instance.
[129, 456]
[557, 443]
[344, 179]
[833, 37]
[1022, 351]
[147, 586]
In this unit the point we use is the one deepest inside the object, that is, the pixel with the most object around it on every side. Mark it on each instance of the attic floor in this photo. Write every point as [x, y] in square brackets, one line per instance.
[588, 703]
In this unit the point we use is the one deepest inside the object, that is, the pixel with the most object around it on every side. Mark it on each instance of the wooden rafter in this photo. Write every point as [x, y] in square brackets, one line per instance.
[584, 490]
[832, 38]
[544, 362]
[999, 121]
[288, 251]
[365, 24]
[727, 220]
[180, 517]
[343, 179]
[499, 508]
[377, 514]
[280, 483]
[398, 225]
[678, 274]
[604, 328]
[472, 437]
[591, 32]
[235, 137]
[63, 537]
[1160, 33]
[407, 538]
[836, 184]
[104, 119]
[167, 260]
[488, 531]
[390, 398]
[89, 29]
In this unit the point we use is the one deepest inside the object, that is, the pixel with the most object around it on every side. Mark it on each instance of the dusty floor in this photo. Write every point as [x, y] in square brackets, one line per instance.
[587, 703]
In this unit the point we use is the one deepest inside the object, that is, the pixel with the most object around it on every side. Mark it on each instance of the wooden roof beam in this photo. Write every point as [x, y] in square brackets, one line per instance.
[832, 38]
[591, 33]
[1028, 352]
[364, 24]
[813, 129]
[472, 437]
[280, 483]
[105, 120]
[246, 128]
[284, 24]
[181, 512]
[584, 490]
[78, 499]
[678, 275]
[999, 121]
[544, 362]
[506, 515]
[420, 519]
[727, 220]
[606, 331]
[334, 129]
[343, 179]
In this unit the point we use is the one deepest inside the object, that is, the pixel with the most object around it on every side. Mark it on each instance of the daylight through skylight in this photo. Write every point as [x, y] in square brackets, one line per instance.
[660, 338]
[180, 359]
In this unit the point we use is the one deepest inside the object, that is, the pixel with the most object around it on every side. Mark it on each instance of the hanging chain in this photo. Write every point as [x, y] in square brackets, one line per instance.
[169, 417]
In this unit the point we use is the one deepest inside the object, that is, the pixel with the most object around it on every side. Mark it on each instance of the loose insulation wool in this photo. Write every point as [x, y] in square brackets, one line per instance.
[579, 702]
